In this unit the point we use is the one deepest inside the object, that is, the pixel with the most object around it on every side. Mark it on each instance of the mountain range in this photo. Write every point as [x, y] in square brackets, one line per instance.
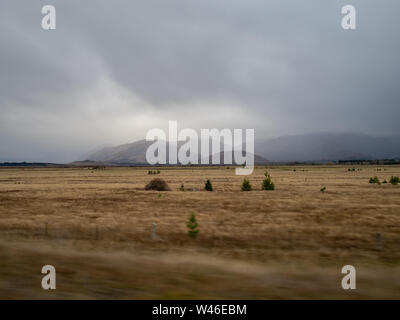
[317, 147]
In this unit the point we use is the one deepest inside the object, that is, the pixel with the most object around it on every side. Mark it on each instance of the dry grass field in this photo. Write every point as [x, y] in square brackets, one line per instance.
[95, 227]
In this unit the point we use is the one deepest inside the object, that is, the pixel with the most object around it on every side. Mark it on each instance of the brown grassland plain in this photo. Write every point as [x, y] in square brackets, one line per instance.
[95, 227]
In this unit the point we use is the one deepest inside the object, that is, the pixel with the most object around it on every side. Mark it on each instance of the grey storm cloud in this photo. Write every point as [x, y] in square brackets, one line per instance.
[114, 69]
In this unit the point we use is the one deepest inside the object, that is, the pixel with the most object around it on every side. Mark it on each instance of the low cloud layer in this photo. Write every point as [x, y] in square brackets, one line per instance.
[114, 69]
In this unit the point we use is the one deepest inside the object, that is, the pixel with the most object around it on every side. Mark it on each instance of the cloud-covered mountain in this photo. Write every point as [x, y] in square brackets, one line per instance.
[307, 147]
[116, 69]
[135, 153]
[328, 147]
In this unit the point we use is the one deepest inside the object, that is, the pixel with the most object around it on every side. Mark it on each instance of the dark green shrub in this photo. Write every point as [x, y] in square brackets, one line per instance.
[246, 186]
[267, 183]
[208, 185]
[192, 226]
[322, 189]
[394, 180]
[374, 180]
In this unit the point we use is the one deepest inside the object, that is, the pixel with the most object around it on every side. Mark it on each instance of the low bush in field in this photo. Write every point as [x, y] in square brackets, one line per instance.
[246, 186]
[374, 180]
[192, 227]
[267, 183]
[394, 180]
[208, 185]
[157, 184]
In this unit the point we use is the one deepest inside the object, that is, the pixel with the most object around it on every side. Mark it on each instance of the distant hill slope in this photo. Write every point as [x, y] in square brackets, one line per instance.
[329, 147]
[307, 147]
[135, 153]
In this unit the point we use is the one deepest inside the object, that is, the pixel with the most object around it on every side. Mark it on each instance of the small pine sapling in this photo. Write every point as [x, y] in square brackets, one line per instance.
[246, 186]
[193, 227]
[208, 185]
[267, 183]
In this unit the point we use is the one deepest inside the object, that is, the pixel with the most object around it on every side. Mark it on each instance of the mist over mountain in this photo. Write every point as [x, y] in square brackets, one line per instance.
[135, 153]
[329, 147]
[306, 147]
[279, 69]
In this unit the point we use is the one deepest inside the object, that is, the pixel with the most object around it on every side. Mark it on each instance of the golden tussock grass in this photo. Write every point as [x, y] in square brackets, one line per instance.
[95, 226]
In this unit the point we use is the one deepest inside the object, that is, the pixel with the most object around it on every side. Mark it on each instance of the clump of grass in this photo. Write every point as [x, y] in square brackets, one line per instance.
[153, 172]
[246, 186]
[267, 183]
[192, 226]
[208, 185]
[322, 189]
[157, 184]
[374, 180]
[384, 181]
[351, 169]
[182, 187]
[394, 180]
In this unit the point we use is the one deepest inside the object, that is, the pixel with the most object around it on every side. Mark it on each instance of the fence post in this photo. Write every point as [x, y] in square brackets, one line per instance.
[378, 240]
[291, 243]
[153, 231]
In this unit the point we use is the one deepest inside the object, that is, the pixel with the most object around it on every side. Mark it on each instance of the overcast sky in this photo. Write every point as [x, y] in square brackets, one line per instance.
[112, 70]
